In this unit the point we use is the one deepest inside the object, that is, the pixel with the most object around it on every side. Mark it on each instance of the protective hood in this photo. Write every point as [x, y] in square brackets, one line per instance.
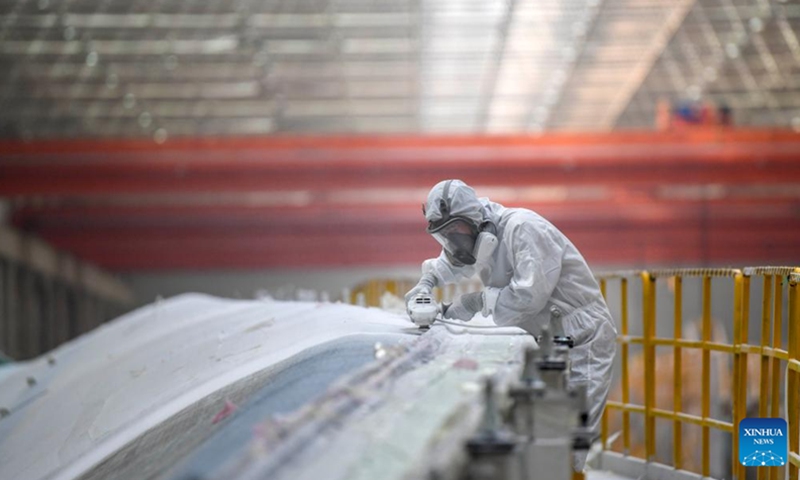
[461, 199]
[457, 220]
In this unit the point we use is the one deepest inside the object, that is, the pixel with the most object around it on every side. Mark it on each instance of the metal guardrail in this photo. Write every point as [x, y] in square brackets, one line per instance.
[370, 293]
[48, 297]
[775, 281]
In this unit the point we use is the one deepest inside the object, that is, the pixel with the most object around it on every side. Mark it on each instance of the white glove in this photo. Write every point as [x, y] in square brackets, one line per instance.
[465, 307]
[423, 287]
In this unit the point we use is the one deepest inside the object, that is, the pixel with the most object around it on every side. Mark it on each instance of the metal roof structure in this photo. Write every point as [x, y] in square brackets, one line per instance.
[140, 69]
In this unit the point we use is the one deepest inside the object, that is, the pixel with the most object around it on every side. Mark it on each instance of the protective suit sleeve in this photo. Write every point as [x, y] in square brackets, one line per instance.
[537, 255]
[465, 307]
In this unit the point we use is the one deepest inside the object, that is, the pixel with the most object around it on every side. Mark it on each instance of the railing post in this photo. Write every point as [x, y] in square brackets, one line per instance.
[763, 393]
[744, 338]
[604, 418]
[705, 399]
[677, 369]
[776, 473]
[626, 417]
[741, 307]
[793, 400]
[648, 318]
[777, 340]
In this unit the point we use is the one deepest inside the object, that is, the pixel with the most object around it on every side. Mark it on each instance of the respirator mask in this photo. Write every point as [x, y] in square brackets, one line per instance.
[464, 243]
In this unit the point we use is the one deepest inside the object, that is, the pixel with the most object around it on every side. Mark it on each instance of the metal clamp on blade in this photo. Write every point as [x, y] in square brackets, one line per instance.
[558, 331]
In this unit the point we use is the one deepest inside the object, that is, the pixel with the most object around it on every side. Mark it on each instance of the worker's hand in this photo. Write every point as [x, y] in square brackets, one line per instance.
[423, 287]
[417, 290]
[465, 307]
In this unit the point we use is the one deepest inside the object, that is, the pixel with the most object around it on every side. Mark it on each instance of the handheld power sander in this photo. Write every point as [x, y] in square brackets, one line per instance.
[423, 310]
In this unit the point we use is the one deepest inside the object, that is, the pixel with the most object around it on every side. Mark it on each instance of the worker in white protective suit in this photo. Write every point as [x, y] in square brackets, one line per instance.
[527, 266]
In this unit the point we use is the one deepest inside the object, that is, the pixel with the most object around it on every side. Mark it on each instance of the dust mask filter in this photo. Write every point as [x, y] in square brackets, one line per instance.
[485, 245]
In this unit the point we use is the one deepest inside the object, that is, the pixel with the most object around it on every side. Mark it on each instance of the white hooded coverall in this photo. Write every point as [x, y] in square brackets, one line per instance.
[533, 268]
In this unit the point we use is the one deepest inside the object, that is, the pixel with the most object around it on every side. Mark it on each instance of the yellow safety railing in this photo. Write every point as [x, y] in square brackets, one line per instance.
[774, 279]
[371, 291]
[793, 380]
[772, 356]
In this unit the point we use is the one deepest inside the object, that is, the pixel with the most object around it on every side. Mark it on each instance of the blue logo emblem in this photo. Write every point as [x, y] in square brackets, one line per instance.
[762, 442]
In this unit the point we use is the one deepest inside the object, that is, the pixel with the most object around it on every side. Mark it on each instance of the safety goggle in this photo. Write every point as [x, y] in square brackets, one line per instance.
[453, 226]
[456, 235]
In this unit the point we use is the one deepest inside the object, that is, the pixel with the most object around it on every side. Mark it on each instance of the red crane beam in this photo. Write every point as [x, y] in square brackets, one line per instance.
[709, 196]
[319, 164]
